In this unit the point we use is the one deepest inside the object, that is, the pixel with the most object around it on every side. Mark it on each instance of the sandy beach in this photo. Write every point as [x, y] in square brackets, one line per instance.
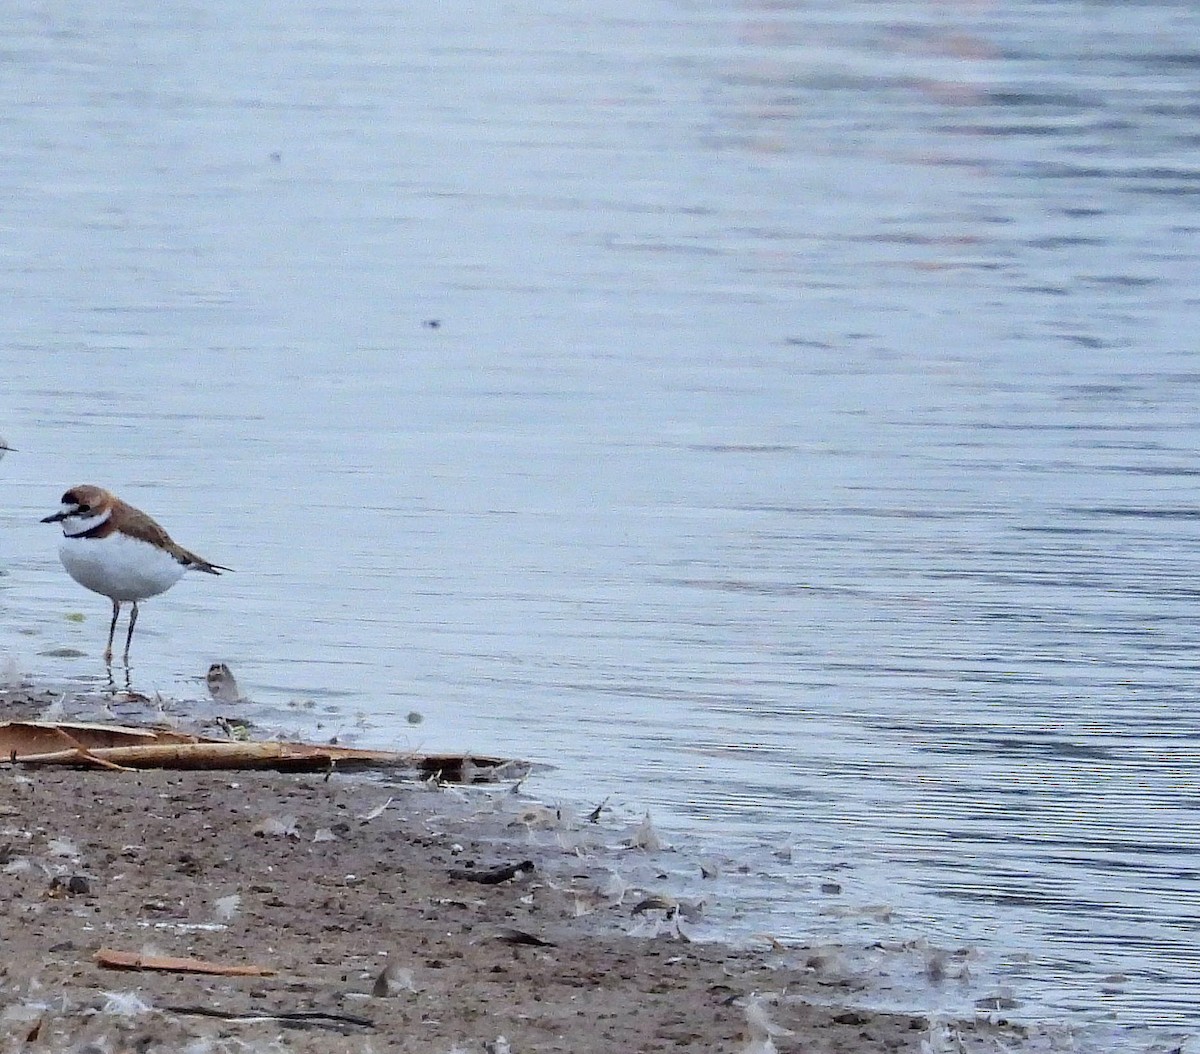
[357, 914]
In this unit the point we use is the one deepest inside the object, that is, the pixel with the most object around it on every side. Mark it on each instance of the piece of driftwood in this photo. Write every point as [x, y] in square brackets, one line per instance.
[495, 875]
[512, 935]
[119, 960]
[127, 747]
[343, 1023]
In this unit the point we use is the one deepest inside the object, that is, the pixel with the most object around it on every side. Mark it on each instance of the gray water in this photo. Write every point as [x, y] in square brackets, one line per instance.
[777, 416]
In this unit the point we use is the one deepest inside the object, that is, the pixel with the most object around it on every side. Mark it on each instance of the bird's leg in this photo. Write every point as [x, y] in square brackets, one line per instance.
[129, 636]
[112, 628]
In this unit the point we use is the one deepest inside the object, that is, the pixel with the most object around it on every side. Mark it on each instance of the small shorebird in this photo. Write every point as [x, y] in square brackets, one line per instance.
[222, 685]
[118, 551]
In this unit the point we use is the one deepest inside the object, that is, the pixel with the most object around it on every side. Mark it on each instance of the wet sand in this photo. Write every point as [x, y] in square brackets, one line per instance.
[376, 929]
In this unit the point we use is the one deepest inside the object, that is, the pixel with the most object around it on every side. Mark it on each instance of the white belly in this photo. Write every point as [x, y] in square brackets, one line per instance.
[119, 567]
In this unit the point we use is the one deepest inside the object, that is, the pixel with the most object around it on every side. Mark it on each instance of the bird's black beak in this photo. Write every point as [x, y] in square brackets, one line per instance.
[56, 518]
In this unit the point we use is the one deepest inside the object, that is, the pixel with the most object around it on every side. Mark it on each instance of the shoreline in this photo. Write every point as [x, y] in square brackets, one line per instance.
[365, 897]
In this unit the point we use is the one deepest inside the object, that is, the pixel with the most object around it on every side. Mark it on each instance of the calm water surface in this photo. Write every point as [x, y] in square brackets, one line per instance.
[805, 449]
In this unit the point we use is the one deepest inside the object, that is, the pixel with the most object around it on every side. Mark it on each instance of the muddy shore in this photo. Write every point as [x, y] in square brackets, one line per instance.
[376, 916]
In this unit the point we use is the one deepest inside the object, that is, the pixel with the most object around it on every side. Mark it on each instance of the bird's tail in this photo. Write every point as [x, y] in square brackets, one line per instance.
[192, 562]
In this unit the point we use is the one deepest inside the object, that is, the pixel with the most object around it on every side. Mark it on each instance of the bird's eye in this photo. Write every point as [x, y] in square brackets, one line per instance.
[85, 507]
